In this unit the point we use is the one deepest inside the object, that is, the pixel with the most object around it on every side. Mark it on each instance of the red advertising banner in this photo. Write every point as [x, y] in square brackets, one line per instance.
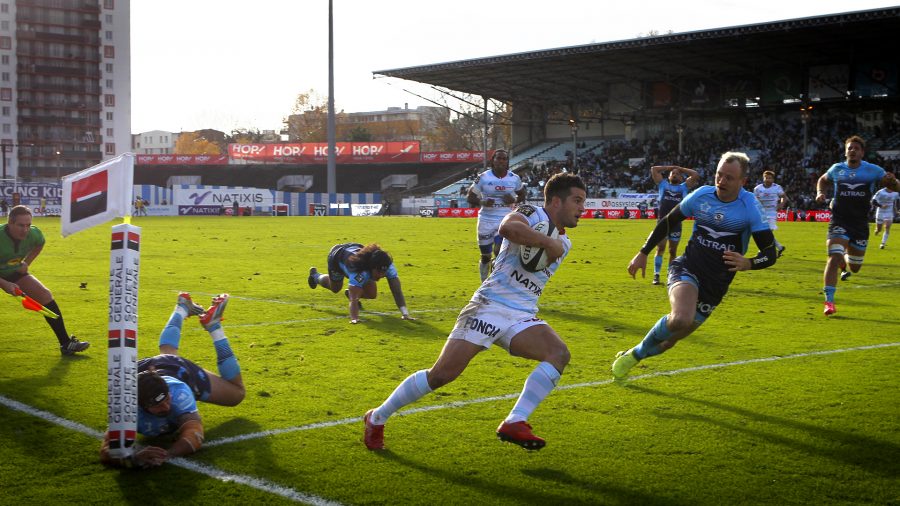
[618, 213]
[317, 152]
[457, 212]
[181, 160]
[453, 156]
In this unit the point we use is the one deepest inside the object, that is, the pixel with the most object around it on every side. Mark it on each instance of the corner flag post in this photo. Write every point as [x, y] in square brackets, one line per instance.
[91, 197]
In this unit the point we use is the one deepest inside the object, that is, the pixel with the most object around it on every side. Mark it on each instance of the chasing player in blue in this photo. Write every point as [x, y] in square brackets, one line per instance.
[169, 387]
[725, 216]
[853, 183]
[672, 190]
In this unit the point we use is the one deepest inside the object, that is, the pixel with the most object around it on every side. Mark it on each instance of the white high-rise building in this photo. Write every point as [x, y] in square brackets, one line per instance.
[65, 85]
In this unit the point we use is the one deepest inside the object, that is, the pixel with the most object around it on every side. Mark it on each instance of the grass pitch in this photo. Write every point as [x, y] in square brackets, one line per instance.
[794, 408]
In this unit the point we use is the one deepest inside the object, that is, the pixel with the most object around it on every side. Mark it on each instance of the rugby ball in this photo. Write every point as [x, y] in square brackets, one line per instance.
[534, 258]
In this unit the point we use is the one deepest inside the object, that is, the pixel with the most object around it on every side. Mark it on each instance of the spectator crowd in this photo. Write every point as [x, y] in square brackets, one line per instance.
[773, 143]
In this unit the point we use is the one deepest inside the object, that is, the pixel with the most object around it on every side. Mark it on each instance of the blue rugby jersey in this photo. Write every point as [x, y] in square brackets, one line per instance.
[670, 195]
[719, 227]
[183, 402]
[853, 189]
[360, 278]
[509, 283]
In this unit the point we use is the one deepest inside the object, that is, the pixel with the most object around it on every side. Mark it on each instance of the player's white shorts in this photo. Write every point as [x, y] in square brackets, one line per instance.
[485, 323]
[882, 216]
[772, 219]
[488, 229]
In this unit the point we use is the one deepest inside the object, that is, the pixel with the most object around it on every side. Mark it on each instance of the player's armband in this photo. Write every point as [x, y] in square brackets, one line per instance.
[191, 432]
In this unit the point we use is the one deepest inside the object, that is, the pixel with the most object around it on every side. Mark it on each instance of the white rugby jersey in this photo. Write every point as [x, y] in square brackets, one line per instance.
[768, 197]
[488, 186]
[509, 283]
[885, 199]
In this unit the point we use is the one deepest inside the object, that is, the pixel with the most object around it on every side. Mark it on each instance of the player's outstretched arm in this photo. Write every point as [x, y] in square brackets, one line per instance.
[148, 456]
[661, 231]
[190, 436]
[399, 299]
[354, 293]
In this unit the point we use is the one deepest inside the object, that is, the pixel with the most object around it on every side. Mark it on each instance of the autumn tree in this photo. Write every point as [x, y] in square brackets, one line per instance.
[245, 136]
[465, 130]
[308, 121]
[192, 143]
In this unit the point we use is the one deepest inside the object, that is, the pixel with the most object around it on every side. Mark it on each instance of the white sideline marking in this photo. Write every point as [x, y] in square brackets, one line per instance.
[212, 472]
[480, 400]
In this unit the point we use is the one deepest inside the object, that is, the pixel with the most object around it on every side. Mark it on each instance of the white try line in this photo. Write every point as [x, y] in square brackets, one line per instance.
[212, 472]
[480, 400]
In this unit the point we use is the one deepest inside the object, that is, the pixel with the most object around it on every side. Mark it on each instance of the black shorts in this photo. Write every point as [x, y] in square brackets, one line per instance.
[181, 369]
[674, 232]
[856, 232]
[13, 277]
[334, 261]
[710, 293]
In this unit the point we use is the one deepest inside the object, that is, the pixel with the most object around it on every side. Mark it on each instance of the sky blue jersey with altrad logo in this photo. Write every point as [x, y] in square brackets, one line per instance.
[719, 227]
[853, 189]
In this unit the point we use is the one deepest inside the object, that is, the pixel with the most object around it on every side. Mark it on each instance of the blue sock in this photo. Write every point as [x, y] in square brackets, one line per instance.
[171, 334]
[650, 345]
[657, 264]
[829, 293]
[225, 359]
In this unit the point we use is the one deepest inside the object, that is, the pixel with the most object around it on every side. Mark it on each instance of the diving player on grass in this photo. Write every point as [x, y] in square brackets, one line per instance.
[169, 386]
[503, 312]
[725, 216]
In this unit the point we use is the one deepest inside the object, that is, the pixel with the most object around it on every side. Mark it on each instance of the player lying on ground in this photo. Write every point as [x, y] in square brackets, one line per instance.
[169, 387]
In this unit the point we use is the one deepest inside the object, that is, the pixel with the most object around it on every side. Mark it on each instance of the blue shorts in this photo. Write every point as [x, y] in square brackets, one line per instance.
[855, 232]
[710, 292]
[181, 369]
[334, 261]
[674, 232]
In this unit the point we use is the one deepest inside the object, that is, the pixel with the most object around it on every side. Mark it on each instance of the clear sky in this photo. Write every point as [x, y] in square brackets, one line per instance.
[228, 64]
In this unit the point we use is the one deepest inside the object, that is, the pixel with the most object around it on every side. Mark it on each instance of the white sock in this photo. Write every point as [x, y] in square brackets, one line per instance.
[218, 334]
[413, 388]
[884, 238]
[539, 384]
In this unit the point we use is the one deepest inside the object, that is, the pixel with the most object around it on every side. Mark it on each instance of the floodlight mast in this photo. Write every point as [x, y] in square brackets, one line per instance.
[332, 170]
